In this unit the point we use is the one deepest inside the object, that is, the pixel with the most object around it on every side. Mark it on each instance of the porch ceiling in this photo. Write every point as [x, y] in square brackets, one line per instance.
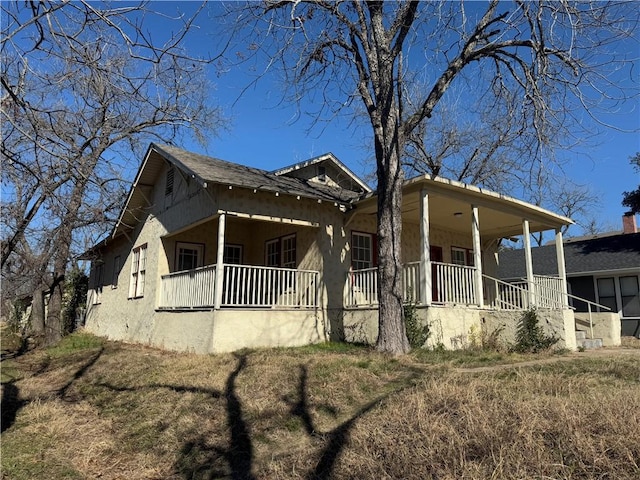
[450, 209]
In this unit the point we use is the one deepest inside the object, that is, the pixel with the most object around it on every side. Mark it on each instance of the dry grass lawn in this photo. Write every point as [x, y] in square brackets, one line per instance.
[96, 409]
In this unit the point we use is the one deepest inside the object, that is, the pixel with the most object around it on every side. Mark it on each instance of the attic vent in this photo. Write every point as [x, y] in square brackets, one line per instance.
[322, 174]
[170, 176]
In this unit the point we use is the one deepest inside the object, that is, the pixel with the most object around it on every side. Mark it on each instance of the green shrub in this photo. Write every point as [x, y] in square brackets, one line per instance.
[417, 333]
[530, 337]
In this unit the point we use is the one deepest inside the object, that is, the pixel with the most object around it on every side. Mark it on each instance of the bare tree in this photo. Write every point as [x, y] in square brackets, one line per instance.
[398, 60]
[84, 87]
[632, 199]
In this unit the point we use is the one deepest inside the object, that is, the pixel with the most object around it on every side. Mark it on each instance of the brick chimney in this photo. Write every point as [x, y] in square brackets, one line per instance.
[629, 223]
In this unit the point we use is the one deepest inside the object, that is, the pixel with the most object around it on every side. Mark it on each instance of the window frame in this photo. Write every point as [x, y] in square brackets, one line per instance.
[226, 256]
[373, 250]
[468, 256]
[117, 265]
[275, 254]
[197, 247]
[626, 299]
[616, 304]
[98, 283]
[138, 271]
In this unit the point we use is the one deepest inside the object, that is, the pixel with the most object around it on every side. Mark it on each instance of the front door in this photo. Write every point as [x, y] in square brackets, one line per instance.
[435, 253]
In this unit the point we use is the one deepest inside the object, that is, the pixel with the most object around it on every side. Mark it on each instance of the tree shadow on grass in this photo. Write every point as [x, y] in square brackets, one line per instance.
[199, 457]
[199, 460]
[11, 402]
[336, 439]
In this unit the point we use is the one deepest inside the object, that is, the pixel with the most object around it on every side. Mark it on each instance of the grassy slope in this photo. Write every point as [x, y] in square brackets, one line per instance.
[90, 409]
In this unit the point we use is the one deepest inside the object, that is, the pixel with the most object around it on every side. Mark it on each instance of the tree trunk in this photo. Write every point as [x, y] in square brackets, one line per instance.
[54, 324]
[53, 333]
[37, 316]
[392, 337]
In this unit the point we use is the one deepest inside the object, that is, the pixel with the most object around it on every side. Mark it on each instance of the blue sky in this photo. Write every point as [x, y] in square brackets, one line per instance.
[264, 133]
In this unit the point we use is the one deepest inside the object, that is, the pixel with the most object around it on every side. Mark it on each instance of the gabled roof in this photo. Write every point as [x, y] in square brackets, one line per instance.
[208, 170]
[604, 254]
[327, 158]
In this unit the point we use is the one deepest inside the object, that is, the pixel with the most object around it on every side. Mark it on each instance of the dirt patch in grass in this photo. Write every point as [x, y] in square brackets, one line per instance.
[95, 409]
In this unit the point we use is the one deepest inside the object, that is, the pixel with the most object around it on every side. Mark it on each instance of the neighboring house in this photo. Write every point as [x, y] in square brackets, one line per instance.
[212, 256]
[603, 269]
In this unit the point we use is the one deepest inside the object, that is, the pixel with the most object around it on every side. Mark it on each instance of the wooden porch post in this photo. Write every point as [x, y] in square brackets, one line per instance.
[562, 271]
[528, 262]
[219, 262]
[477, 254]
[425, 256]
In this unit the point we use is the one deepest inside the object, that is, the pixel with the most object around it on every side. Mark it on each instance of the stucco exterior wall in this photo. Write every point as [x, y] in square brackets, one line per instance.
[560, 323]
[215, 331]
[452, 327]
[606, 325]
[449, 326]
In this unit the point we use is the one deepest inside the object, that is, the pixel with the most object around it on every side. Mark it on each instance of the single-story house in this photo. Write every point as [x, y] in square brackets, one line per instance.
[603, 269]
[211, 256]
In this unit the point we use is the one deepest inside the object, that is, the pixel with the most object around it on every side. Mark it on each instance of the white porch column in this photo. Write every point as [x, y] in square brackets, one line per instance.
[528, 262]
[562, 271]
[477, 254]
[219, 262]
[425, 255]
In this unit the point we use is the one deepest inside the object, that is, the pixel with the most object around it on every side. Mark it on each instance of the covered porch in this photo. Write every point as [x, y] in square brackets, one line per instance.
[471, 223]
[234, 260]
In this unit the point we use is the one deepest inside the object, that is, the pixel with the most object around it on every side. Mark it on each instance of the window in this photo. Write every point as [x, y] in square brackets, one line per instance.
[189, 256]
[281, 252]
[98, 282]
[607, 293]
[462, 256]
[116, 272]
[138, 271]
[272, 253]
[232, 254]
[630, 296]
[362, 250]
[458, 256]
[289, 251]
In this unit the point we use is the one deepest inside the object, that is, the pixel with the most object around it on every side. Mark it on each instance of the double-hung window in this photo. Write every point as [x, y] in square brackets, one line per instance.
[362, 250]
[630, 296]
[607, 293]
[138, 271]
[99, 281]
[281, 252]
[116, 271]
[462, 256]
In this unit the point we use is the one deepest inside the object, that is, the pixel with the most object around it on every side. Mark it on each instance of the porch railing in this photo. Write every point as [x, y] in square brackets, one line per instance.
[189, 288]
[543, 292]
[253, 286]
[243, 286]
[453, 284]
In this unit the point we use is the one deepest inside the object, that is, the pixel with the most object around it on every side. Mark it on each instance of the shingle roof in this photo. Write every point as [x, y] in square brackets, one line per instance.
[614, 252]
[213, 170]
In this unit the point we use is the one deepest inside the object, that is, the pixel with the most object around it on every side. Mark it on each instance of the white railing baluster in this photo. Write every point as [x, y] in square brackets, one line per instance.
[243, 285]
